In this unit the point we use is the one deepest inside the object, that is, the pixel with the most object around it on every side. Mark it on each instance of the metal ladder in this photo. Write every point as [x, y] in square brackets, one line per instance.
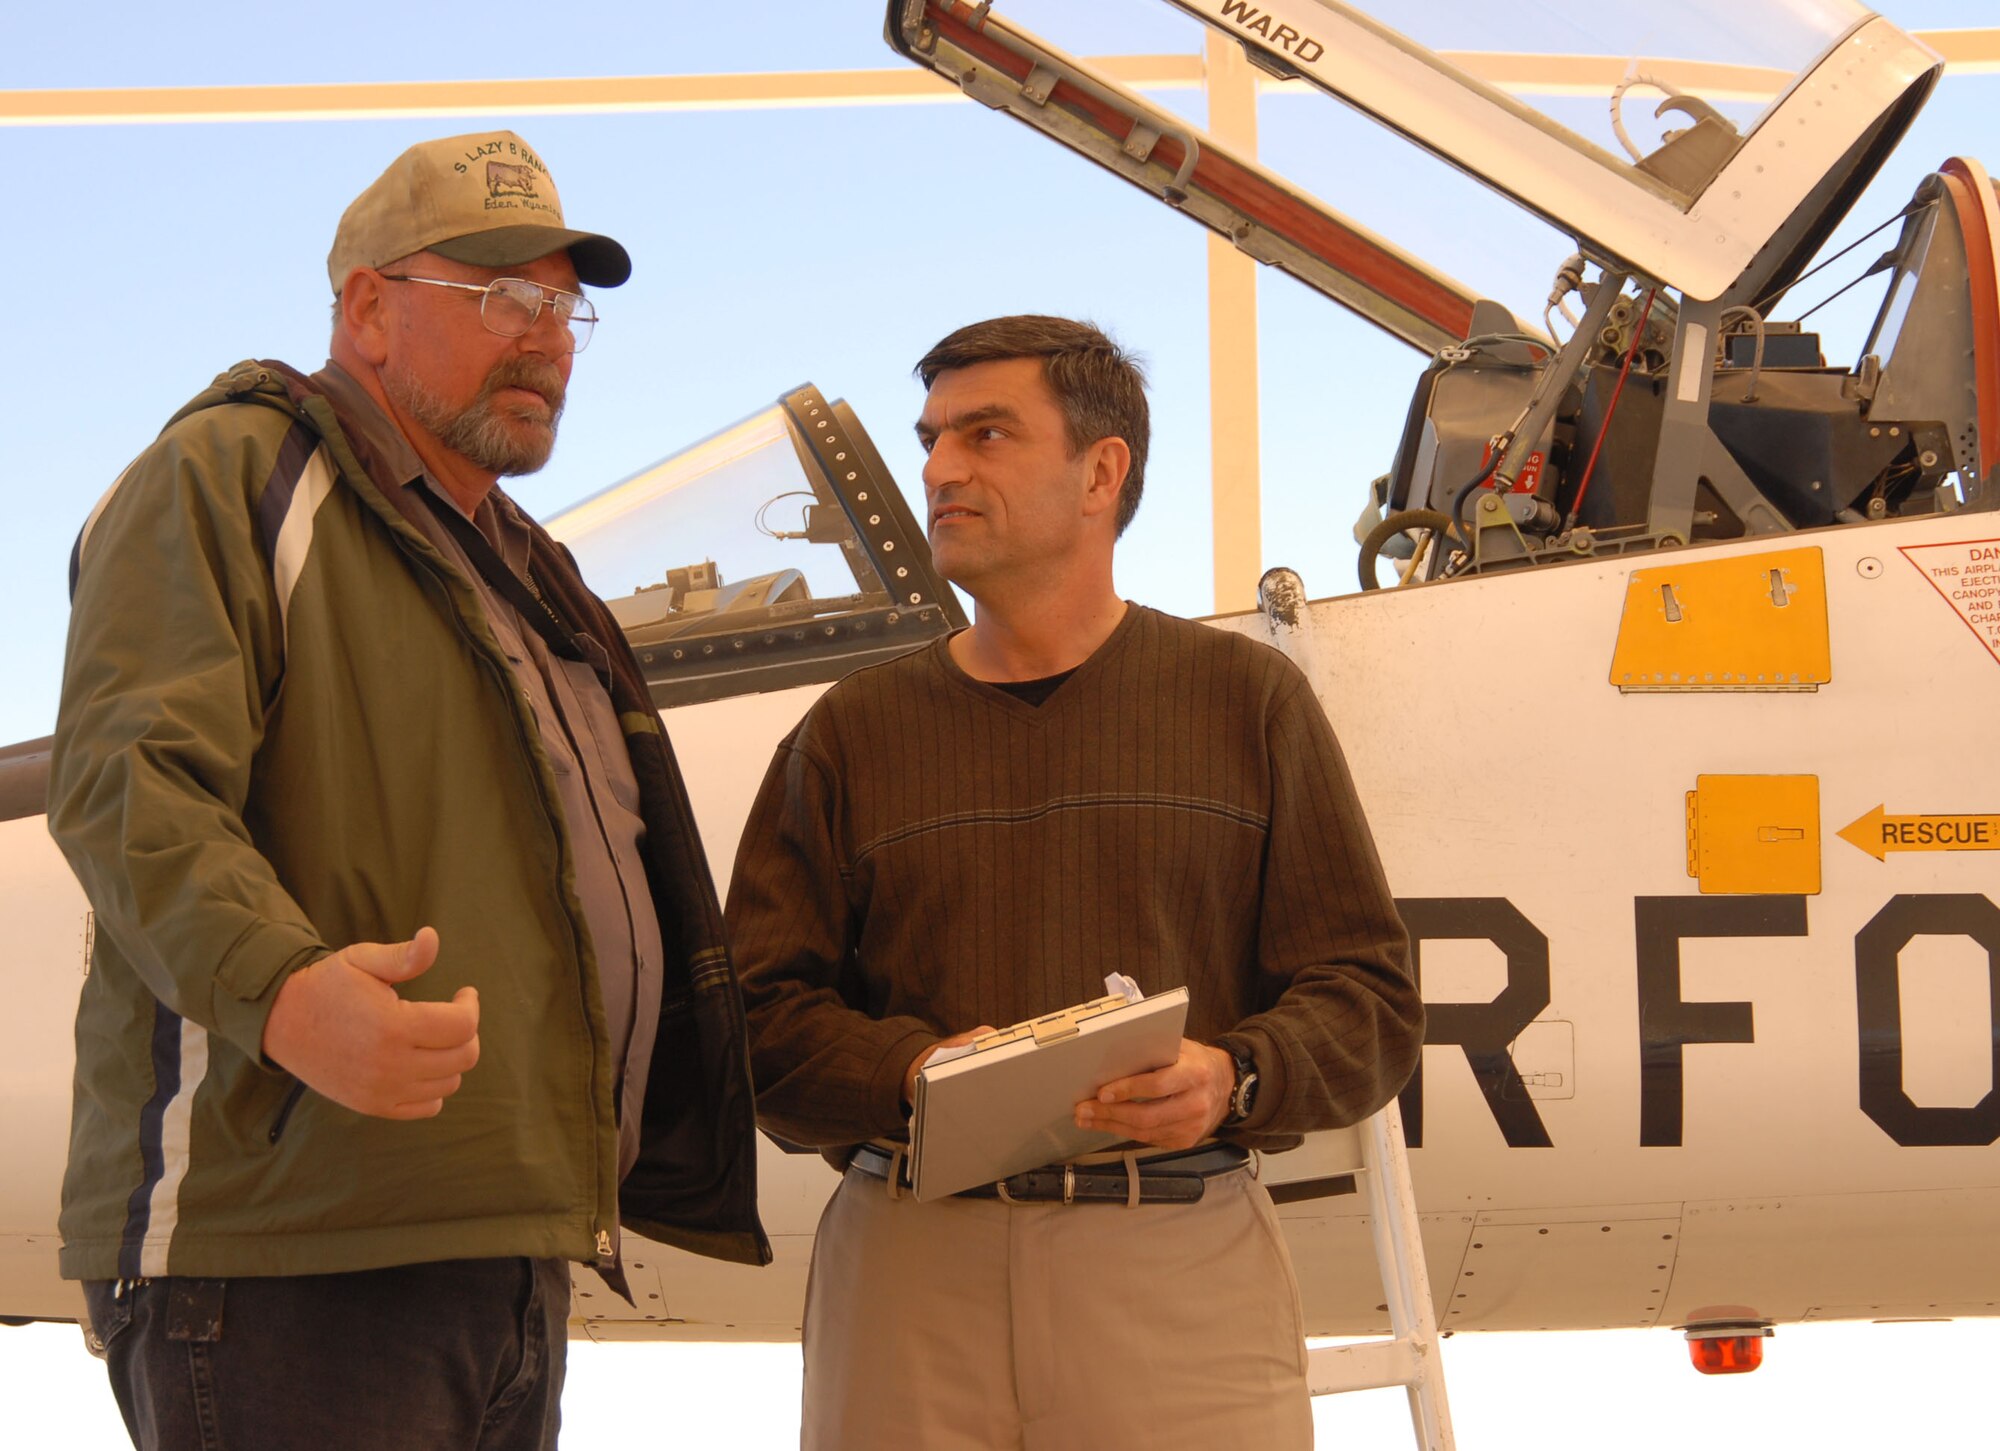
[1374, 1153]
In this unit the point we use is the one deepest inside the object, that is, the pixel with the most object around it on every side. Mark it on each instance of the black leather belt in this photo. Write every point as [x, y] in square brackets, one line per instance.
[1163, 1179]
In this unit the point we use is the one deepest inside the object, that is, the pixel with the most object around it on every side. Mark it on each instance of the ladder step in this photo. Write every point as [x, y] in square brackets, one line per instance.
[1365, 1365]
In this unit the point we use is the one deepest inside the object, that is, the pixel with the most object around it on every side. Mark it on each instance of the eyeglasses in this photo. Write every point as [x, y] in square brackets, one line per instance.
[509, 306]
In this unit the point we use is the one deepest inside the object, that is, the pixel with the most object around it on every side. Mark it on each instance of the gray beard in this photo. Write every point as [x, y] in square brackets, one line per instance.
[481, 432]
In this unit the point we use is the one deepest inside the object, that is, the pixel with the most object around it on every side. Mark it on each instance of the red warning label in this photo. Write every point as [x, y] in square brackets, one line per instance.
[1967, 575]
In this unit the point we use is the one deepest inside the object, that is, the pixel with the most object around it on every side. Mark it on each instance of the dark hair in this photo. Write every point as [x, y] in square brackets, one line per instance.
[1100, 388]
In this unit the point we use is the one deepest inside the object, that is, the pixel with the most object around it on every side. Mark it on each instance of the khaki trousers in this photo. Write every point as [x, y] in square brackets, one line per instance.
[971, 1323]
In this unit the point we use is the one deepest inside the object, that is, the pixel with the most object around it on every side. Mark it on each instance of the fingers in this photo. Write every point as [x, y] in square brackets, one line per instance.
[1160, 1083]
[1169, 1108]
[1191, 1070]
[1148, 1116]
[412, 1085]
[438, 1025]
[956, 1040]
[440, 1062]
[431, 1090]
[1188, 1075]
[408, 1112]
[1169, 1123]
[425, 1100]
[394, 962]
[341, 1027]
[417, 1088]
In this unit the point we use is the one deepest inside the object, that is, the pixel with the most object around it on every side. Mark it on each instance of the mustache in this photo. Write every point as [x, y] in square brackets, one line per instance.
[535, 374]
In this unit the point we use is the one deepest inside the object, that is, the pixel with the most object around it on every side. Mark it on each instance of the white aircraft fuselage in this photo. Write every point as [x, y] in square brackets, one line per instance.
[1698, 842]
[1640, 1099]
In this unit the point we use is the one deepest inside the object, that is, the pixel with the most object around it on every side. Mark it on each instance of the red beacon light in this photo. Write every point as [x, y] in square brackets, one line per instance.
[1727, 1347]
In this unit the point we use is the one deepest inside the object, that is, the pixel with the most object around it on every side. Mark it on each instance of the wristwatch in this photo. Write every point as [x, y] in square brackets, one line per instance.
[1242, 1098]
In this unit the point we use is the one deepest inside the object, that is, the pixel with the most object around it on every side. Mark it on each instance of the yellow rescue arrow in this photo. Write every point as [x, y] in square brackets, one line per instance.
[1879, 834]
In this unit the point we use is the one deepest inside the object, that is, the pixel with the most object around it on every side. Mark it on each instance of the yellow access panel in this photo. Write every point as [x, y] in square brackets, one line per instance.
[1754, 834]
[1757, 622]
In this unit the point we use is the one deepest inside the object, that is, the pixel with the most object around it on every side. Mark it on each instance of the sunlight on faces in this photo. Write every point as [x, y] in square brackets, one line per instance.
[503, 436]
[1002, 487]
[440, 346]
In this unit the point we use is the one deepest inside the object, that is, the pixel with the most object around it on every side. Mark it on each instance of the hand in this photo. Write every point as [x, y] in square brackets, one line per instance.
[340, 1028]
[1175, 1107]
[956, 1040]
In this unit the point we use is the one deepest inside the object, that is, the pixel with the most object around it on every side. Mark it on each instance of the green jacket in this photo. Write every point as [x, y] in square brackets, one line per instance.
[287, 726]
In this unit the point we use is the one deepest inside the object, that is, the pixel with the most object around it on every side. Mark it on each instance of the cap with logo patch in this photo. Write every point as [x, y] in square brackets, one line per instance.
[485, 199]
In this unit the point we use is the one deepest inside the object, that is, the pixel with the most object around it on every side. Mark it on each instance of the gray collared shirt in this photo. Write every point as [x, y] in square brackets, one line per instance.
[586, 748]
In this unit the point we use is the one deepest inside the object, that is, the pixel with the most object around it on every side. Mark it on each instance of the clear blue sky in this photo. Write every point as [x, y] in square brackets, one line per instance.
[771, 248]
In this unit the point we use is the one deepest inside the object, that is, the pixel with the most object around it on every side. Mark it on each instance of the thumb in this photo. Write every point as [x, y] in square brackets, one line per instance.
[395, 961]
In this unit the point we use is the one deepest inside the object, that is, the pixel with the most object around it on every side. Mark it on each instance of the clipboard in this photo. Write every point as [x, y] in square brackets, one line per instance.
[1007, 1101]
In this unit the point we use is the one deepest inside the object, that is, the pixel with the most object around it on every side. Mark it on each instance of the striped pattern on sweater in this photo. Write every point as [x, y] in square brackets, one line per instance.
[929, 853]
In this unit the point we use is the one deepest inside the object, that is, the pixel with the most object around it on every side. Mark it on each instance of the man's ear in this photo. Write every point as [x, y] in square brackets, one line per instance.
[364, 314]
[1106, 463]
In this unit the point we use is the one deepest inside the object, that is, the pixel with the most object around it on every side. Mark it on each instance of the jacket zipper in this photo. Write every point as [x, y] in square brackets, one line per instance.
[607, 1250]
[285, 1111]
[606, 1239]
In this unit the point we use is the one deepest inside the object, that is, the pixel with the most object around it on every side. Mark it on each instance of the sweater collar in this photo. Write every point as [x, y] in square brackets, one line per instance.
[1114, 644]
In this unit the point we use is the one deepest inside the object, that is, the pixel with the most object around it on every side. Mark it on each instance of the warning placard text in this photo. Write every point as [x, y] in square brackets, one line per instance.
[1967, 576]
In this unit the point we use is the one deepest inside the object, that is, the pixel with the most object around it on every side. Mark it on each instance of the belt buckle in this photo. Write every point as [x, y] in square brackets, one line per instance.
[1068, 1189]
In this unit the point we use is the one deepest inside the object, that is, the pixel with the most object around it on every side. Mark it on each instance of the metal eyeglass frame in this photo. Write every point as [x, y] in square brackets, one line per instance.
[581, 309]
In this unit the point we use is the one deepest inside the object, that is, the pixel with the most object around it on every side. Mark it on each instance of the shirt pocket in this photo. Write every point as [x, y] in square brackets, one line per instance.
[607, 738]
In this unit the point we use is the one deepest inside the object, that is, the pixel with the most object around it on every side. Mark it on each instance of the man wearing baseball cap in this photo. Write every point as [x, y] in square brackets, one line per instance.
[408, 983]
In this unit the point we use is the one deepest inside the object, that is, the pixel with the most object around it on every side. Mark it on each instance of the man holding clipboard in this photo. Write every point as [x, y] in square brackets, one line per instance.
[978, 833]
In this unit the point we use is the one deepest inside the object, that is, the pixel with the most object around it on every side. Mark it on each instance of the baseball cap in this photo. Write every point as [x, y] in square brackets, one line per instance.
[484, 199]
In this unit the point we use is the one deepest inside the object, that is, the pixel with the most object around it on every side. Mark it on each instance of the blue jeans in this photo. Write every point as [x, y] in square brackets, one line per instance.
[457, 1355]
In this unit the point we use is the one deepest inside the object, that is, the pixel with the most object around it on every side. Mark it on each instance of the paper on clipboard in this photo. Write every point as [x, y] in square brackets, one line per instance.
[1005, 1102]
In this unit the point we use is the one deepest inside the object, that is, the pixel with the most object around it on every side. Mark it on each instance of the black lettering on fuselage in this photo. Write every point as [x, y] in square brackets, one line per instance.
[1483, 1030]
[1666, 1023]
[1878, 1000]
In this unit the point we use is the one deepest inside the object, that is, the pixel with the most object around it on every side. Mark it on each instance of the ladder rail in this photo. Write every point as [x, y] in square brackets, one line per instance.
[1408, 1357]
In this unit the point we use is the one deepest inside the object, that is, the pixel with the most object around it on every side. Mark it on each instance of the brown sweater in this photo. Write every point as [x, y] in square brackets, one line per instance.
[928, 854]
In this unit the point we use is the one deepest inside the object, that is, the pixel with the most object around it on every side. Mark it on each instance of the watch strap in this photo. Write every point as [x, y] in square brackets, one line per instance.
[1243, 1094]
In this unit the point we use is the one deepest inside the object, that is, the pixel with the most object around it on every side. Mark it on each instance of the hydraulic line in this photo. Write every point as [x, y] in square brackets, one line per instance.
[1540, 409]
[1637, 78]
[1569, 278]
[1611, 408]
[1458, 499]
[1756, 320]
